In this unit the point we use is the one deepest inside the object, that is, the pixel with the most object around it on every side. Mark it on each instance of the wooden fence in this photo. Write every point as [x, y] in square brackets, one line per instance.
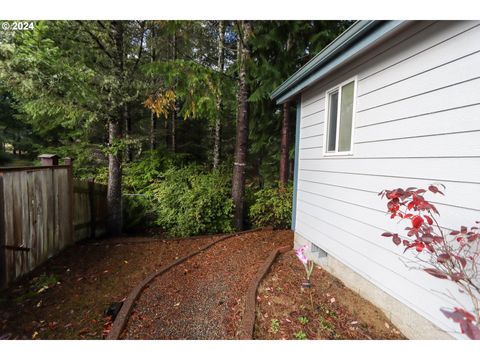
[90, 209]
[43, 210]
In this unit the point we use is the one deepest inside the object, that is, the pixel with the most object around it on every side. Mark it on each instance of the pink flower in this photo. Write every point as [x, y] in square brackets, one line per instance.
[300, 254]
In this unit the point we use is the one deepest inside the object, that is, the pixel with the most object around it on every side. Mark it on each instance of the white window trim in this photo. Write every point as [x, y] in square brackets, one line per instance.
[327, 112]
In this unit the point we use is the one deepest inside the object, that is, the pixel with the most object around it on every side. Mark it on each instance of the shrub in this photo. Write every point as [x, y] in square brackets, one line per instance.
[272, 207]
[189, 201]
[140, 178]
[453, 257]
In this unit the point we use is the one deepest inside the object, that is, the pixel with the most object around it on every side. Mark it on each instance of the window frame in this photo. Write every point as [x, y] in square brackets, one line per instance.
[338, 88]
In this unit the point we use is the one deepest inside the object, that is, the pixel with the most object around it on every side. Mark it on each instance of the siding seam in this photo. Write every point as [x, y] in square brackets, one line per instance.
[422, 51]
[419, 115]
[376, 192]
[418, 136]
[420, 73]
[396, 176]
[420, 94]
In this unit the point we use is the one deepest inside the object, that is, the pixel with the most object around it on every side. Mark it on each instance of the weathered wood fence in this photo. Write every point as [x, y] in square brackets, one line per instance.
[43, 210]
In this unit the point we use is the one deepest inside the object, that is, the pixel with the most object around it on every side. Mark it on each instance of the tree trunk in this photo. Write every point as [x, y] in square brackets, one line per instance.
[238, 181]
[128, 130]
[153, 131]
[285, 145]
[153, 119]
[174, 111]
[114, 191]
[218, 122]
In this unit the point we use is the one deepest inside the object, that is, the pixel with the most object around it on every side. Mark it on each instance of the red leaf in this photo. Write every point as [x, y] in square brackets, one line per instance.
[396, 239]
[387, 234]
[420, 246]
[429, 219]
[457, 276]
[443, 258]
[461, 260]
[435, 272]
[466, 321]
[417, 221]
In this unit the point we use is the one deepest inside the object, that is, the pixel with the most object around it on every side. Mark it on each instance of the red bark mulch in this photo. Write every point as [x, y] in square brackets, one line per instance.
[80, 283]
[327, 310]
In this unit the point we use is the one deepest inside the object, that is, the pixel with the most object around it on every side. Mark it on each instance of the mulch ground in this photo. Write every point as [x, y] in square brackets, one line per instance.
[327, 310]
[204, 297]
[66, 297]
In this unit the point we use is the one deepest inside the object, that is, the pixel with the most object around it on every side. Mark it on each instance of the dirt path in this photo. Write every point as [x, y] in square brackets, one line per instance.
[204, 297]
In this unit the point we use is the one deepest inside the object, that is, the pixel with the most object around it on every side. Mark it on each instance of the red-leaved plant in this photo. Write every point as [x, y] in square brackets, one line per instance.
[452, 256]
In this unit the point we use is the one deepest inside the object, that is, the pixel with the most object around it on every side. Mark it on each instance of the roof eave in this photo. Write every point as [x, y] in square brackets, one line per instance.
[348, 45]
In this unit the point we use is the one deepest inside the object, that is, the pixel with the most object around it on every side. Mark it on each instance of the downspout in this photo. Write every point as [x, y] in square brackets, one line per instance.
[295, 171]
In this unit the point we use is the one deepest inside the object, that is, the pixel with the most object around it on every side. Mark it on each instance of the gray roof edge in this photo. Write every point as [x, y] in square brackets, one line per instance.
[350, 36]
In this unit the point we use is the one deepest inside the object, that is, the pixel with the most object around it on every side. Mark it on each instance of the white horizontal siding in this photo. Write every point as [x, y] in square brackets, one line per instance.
[417, 122]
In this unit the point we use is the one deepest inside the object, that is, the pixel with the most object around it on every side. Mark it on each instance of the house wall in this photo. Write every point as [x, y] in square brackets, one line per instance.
[417, 122]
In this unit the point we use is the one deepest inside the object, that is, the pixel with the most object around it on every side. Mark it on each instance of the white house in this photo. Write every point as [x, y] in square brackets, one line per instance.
[388, 104]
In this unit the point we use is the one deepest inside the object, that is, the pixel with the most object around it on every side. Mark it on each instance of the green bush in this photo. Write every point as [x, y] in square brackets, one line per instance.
[140, 178]
[189, 201]
[272, 207]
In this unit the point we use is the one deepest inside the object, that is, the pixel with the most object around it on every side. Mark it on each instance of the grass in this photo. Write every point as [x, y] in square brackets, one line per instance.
[274, 326]
[300, 335]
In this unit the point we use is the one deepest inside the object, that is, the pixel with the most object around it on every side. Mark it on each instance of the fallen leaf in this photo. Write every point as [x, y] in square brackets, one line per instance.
[332, 300]
[354, 322]
[177, 304]
[125, 261]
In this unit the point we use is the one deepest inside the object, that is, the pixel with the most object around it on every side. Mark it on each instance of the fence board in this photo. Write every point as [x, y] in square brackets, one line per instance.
[43, 210]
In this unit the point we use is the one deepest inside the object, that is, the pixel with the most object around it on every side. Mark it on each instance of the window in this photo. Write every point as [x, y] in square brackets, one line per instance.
[340, 109]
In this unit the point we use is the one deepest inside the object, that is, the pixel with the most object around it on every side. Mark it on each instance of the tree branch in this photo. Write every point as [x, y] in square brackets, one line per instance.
[100, 45]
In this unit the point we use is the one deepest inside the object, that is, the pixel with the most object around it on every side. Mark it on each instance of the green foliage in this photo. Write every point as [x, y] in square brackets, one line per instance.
[326, 325]
[300, 335]
[189, 201]
[274, 326]
[303, 320]
[43, 282]
[272, 207]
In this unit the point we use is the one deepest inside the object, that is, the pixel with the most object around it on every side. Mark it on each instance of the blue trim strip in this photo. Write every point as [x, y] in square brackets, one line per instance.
[295, 171]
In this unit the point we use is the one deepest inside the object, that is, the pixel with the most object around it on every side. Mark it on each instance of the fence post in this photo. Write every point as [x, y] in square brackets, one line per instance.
[49, 160]
[3, 269]
[93, 215]
[69, 162]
